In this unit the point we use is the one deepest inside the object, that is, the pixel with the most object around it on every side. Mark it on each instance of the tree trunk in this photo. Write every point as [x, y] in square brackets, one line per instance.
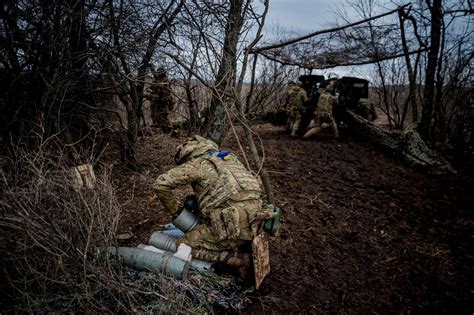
[134, 106]
[428, 95]
[78, 115]
[411, 73]
[221, 98]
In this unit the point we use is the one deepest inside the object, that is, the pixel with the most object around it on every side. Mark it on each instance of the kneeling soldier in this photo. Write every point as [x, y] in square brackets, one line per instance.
[323, 114]
[229, 198]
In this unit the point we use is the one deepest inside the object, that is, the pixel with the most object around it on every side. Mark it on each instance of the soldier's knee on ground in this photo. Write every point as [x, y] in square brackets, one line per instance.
[336, 131]
[234, 262]
[312, 132]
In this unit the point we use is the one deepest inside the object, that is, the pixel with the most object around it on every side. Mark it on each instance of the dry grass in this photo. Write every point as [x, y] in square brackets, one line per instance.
[48, 246]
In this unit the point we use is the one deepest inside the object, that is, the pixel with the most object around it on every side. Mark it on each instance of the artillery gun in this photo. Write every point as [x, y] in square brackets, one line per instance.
[351, 90]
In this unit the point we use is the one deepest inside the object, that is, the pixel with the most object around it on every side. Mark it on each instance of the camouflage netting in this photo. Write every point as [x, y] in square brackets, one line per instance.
[369, 40]
[338, 48]
[406, 145]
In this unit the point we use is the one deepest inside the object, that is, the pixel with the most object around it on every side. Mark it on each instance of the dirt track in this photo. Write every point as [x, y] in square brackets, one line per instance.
[362, 233]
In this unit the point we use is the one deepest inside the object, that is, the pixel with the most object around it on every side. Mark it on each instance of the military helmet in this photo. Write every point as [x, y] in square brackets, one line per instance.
[329, 89]
[193, 147]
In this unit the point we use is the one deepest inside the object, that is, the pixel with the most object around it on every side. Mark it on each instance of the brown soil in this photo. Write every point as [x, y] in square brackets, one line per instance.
[361, 234]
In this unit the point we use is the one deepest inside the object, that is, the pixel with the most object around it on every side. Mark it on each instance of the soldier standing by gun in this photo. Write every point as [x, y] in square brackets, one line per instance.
[295, 101]
[324, 113]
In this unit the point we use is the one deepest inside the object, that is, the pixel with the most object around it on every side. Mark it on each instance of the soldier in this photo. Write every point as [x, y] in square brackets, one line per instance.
[229, 200]
[161, 100]
[295, 101]
[323, 113]
[366, 109]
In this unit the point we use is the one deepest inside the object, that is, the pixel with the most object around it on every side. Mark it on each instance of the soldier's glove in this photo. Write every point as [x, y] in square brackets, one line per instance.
[191, 204]
[273, 224]
[187, 217]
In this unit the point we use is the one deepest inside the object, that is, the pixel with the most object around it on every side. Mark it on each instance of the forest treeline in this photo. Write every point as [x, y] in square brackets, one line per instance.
[70, 66]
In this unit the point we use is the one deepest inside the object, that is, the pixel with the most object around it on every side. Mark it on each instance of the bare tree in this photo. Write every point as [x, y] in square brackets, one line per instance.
[135, 81]
[435, 37]
[216, 125]
[45, 72]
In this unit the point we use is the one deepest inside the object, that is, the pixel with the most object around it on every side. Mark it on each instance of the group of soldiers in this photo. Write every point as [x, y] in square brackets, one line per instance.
[231, 212]
[314, 103]
[297, 105]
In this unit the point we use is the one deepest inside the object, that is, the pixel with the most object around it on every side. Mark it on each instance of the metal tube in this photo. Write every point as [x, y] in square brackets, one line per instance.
[196, 264]
[173, 233]
[163, 241]
[170, 226]
[146, 260]
[186, 221]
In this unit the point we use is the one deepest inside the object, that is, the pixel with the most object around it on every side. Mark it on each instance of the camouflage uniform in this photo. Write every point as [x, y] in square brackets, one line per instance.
[295, 101]
[367, 110]
[323, 114]
[229, 199]
[161, 100]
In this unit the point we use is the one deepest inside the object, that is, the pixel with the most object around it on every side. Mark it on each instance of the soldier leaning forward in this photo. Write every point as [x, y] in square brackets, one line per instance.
[323, 114]
[296, 99]
[229, 199]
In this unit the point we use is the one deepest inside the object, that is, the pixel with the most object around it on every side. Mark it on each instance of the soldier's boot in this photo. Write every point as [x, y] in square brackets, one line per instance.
[294, 130]
[312, 132]
[334, 128]
[229, 261]
[242, 262]
[244, 272]
[296, 127]
[234, 262]
[336, 132]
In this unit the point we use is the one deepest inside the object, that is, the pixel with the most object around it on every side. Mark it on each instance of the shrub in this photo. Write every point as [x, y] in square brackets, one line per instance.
[49, 240]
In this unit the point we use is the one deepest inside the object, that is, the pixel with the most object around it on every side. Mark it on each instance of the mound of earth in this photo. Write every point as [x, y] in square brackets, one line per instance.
[361, 232]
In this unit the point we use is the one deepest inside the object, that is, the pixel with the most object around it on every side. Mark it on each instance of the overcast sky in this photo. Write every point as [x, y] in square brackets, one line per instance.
[302, 16]
[305, 16]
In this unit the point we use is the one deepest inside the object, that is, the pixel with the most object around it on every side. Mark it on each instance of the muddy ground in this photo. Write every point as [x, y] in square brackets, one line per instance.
[362, 233]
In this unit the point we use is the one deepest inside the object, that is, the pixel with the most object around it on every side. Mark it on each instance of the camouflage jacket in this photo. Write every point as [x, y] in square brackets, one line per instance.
[296, 98]
[325, 104]
[214, 180]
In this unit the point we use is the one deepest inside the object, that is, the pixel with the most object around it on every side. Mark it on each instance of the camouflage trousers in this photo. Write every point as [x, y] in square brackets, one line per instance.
[212, 241]
[160, 120]
[316, 127]
[205, 245]
[295, 122]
